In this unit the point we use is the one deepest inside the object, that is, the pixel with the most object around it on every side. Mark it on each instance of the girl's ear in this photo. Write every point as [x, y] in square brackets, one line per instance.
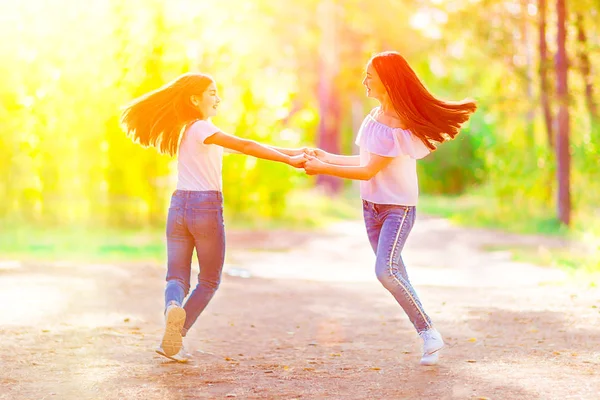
[195, 100]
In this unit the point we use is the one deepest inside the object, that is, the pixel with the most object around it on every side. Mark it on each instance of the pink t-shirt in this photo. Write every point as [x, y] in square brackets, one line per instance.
[397, 183]
[199, 165]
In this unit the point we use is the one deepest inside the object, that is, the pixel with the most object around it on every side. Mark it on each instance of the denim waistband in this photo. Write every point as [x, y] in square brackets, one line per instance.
[208, 195]
[380, 207]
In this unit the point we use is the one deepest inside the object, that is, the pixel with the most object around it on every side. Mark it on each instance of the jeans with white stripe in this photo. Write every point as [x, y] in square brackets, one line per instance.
[388, 226]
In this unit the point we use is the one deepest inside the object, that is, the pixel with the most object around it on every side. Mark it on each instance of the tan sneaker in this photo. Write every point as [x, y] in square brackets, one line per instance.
[172, 340]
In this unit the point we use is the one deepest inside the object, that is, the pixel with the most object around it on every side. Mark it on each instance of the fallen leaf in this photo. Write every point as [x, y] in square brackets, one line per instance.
[376, 368]
[472, 339]
[471, 361]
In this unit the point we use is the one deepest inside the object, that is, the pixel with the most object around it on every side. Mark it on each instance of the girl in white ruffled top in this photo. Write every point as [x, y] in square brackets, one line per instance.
[405, 127]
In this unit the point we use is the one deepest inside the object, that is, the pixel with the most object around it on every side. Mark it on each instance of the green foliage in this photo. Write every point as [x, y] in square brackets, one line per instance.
[71, 66]
[458, 164]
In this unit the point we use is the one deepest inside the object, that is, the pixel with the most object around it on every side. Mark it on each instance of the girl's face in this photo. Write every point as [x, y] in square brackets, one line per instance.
[208, 102]
[373, 84]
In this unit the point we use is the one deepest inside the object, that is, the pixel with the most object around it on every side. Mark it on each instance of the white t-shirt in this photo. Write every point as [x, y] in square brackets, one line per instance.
[199, 165]
[396, 183]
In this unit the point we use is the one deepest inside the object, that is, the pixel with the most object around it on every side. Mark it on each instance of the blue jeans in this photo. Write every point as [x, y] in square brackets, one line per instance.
[388, 227]
[195, 220]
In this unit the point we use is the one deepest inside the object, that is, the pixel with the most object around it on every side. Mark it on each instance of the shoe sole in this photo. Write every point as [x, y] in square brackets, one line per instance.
[433, 353]
[172, 340]
[436, 350]
[431, 360]
[179, 360]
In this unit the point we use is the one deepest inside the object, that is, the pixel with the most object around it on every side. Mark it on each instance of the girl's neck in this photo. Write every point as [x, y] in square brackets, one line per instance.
[387, 107]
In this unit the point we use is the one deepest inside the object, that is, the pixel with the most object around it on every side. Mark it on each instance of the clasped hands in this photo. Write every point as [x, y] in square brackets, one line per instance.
[312, 160]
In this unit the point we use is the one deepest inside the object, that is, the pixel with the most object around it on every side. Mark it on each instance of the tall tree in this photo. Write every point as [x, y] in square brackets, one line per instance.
[529, 49]
[544, 64]
[585, 67]
[563, 156]
[329, 101]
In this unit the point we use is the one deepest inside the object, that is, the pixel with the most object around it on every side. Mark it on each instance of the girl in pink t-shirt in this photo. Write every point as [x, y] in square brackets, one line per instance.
[176, 120]
[391, 138]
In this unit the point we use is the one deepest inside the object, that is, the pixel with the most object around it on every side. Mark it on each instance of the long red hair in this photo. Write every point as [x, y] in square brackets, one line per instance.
[159, 117]
[429, 118]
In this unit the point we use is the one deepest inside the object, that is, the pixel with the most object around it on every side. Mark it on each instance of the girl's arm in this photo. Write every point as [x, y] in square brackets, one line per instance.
[376, 163]
[337, 159]
[288, 151]
[255, 149]
[284, 150]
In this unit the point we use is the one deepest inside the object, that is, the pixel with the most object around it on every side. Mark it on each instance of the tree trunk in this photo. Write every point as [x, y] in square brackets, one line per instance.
[562, 138]
[544, 64]
[328, 136]
[530, 116]
[584, 66]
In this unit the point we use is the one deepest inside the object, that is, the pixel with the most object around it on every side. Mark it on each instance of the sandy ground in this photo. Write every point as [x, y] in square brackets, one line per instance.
[301, 316]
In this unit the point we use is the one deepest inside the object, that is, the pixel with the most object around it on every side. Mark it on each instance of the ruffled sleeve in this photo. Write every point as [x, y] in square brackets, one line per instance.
[411, 145]
[384, 141]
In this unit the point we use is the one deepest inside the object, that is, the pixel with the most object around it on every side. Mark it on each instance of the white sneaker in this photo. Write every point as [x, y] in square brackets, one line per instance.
[432, 341]
[430, 359]
[182, 356]
[172, 341]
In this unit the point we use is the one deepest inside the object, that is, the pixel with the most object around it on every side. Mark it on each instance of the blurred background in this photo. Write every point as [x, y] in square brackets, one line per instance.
[289, 73]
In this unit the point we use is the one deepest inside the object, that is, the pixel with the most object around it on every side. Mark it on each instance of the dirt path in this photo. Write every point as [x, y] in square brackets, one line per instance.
[305, 319]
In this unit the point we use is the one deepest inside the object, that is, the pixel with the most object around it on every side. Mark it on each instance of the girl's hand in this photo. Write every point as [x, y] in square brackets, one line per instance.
[314, 166]
[318, 153]
[309, 151]
[299, 151]
[298, 161]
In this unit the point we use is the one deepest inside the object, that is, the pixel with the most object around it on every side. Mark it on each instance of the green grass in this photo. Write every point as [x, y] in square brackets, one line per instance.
[305, 211]
[309, 210]
[480, 210]
[26, 243]
[542, 255]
